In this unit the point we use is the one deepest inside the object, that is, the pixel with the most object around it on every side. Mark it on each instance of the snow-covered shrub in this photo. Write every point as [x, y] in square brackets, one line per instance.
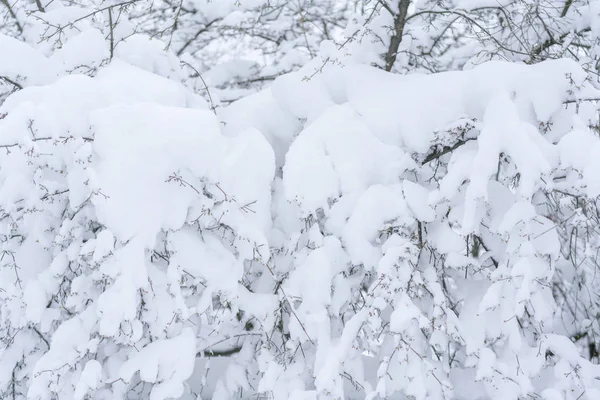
[125, 216]
[345, 233]
[428, 229]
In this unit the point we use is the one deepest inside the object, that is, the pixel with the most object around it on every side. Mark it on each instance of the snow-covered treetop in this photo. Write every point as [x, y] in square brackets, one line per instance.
[241, 199]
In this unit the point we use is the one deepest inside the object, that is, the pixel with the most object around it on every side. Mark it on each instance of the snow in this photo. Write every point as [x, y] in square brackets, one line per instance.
[345, 233]
[262, 112]
[30, 68]
[84, 52]
[127, 180]
[206, 259]
[91, 377]
[330, 149]
[170, 370]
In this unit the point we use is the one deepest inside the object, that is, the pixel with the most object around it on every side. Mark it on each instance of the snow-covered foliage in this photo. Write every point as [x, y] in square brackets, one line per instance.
[345, 232]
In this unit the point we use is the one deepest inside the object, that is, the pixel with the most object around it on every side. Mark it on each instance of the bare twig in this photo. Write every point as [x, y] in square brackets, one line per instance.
[8, 80]
[12, 14]
[112, 34]
[213, 107]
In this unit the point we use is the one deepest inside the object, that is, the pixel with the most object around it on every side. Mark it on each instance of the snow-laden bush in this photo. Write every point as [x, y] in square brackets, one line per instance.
[428, 202]
[347, 233]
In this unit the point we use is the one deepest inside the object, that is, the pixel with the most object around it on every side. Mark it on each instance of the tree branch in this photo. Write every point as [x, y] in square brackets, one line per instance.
[470, 20]
[39, 5]
[112, 34]
[399, 23]
[565, 10]
[448, 149]
[219, 353]
[58, 139]
[550, 42]
[8, 80]
[12, 14]
[192, 39]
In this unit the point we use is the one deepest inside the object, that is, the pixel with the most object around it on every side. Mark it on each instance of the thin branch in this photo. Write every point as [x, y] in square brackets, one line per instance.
[550, 42]
[59, 139]
[385, 5]
[213, 107]
[571, 101]
[12, 14]
[112, 34]
[41, 336]
[472, 21]
[60, 28]
[192, 39]
[285, 296]
[175, 24]
[219, 353]
[224, 353]
[8, 80]
[448, 149]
